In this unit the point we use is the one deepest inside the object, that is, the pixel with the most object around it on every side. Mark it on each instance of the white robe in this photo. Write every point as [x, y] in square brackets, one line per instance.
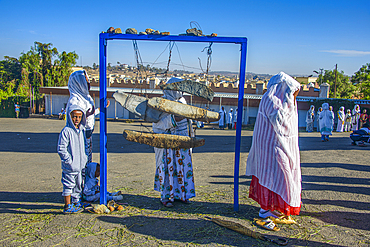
[222, 120]
[326, 120]
[341, 116]
[274, 156]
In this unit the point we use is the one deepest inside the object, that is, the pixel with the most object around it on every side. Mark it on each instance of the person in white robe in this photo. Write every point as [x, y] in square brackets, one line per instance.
[222, 120]
[235, 118]
[341, 118]
[326, 122]
[230, 119]
[274, 160]
[348, 121]
[174, 168]
[310, 118]
[332, 113]
[318, 119]
[79, 86]
[355, 117]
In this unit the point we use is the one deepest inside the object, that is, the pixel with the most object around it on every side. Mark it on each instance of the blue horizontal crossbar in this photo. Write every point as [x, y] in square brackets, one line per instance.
[233, 40]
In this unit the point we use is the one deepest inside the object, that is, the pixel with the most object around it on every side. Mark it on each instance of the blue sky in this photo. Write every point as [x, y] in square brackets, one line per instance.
[296, 37]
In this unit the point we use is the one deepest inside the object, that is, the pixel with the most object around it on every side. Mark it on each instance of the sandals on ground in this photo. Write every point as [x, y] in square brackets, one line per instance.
[283, 220]
[167, 204]
[267, 224]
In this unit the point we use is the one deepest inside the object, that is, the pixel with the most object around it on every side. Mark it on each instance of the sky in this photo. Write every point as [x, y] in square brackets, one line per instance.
[296, 37]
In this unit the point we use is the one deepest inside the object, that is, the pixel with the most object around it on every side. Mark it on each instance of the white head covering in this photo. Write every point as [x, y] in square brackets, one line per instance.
[280, 90]
[79, 95]
[310, 114]
[174, 95]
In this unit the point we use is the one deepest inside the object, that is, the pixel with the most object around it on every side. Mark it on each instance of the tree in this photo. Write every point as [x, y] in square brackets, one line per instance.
[362, 79]
[10, 78]
[344, 87]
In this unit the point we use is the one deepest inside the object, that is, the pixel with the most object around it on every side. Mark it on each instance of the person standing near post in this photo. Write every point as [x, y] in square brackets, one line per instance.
[310, 118]
[363, 118]
[79, 86]
[222, 121]
[17, 109]
[326, 122]
[355, 117]
[235, 119]
[341, 118]
[230, 119]
[274, 160]
[348, 121]
[318, 119]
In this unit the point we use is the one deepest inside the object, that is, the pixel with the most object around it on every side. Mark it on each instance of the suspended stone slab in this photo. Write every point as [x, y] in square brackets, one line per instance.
[138, 105]
[163, 140]
[191, 87]
[183, 110]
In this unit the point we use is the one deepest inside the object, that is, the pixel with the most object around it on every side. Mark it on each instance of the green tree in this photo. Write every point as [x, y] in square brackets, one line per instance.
[362, 79]
[10, 78]
[344, 87]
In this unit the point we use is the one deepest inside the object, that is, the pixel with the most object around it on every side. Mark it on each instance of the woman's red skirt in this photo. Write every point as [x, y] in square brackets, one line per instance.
[270, 200]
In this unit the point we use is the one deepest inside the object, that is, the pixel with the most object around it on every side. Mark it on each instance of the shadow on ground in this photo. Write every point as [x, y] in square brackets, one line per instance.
[198, 231]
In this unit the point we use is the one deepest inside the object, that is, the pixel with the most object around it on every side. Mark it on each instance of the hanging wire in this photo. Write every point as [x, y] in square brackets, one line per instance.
[171, 44]
[209, 59]
[140, 66]
[178, 51]
[196, 25]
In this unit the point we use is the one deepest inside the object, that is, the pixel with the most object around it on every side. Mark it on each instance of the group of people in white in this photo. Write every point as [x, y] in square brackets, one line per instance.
[347, 121]
[228, 119]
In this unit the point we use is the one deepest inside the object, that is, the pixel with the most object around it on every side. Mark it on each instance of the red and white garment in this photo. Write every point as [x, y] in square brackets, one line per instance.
[274, 160]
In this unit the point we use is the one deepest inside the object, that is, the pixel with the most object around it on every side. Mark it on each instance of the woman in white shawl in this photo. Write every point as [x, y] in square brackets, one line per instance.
[79, 86]
[318, 119]
[274, 161]
[222, 121]
[355, 117]
[348, 121]
[326, 122]
[310, 118]
[174, 169]
[230, 119]
[341, 118]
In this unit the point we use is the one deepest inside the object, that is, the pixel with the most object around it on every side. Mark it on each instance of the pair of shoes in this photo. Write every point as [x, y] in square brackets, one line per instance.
[266, 213]
[283, 220]
[267, 224]
[72, 209]
[167, 204]
[82, 205]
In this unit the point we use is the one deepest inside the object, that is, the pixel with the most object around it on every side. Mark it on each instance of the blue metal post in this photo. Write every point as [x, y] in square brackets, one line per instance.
[243, 63]
[103, 118]
[104, 37]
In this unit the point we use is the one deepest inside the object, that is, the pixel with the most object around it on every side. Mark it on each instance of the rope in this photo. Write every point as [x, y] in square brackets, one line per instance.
[171, 44]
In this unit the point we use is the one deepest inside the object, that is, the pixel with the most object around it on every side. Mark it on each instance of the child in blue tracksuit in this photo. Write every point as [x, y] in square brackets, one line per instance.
[72, 150]
[91, 190]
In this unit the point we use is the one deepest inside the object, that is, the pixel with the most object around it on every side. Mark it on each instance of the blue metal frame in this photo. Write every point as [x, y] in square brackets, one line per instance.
[104, 37]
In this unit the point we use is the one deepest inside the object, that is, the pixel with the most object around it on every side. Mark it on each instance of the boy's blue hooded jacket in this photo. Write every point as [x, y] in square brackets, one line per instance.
[72, 147]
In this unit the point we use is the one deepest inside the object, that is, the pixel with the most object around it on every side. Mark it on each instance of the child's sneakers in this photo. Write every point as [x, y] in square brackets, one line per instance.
[82, 205]
[72, 209]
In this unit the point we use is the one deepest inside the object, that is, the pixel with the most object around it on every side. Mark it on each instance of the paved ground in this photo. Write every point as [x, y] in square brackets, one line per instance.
[336, 192]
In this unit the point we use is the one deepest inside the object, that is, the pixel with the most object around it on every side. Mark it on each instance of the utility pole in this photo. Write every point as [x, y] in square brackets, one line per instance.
[335, 81]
